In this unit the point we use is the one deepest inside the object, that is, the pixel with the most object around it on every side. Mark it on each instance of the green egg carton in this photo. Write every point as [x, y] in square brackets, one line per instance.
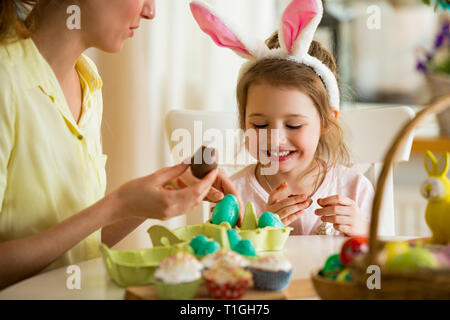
[264, 239]
[136, 267]
[161, 236]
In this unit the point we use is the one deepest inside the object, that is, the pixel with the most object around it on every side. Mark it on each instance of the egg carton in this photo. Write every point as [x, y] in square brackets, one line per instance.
[136, 267]
[263, 239]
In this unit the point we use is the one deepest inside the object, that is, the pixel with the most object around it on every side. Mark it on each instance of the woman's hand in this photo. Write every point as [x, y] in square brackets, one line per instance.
[147, 197]
[288, 208]
[344, 214]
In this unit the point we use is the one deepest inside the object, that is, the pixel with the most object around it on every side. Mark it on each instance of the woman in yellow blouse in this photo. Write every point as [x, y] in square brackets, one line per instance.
[52, 168]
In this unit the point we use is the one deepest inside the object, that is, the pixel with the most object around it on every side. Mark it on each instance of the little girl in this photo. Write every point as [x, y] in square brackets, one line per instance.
[290, 86]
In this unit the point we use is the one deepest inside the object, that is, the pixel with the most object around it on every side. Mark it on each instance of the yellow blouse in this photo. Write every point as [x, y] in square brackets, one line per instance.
[50, 166]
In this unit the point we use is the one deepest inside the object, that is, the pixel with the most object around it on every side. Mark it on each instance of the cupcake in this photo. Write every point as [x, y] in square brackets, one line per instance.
[271, 272]
[178, 277]
[225, 256]
[225, 281]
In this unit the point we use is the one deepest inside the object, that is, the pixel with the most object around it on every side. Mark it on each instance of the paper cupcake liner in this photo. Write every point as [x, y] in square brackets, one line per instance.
[270, 280]
[228, 290]
[177, 291]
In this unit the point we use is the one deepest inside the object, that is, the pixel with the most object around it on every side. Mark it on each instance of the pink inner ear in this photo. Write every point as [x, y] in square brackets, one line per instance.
[296, 17]
[216, 29]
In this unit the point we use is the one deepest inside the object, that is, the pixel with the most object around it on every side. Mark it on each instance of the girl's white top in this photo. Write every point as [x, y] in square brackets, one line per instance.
[339, 180]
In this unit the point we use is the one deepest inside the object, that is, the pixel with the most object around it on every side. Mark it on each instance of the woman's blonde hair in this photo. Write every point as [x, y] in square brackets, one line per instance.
[284, 73]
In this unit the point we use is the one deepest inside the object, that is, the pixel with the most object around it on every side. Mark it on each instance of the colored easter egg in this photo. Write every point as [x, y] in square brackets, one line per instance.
[233, 237]
[332, 267]
[353, 247]
[412, 260]
[227, 210]
[344, 276]
[208, 248]
[250, 220]
[394, 249]
[246, 248]
[268, 219]
[197, 242]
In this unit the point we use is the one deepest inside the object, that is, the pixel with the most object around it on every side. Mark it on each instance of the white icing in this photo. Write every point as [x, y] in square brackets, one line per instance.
[179, 268]
[272, 263]
[224, 255]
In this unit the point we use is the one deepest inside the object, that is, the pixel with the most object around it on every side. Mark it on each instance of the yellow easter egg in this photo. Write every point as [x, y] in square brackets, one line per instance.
[394, 249]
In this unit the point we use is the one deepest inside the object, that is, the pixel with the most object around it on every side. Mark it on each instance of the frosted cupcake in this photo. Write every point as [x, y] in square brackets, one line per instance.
[227, 282]
[178, 277]
[271, 272]
[225, 256]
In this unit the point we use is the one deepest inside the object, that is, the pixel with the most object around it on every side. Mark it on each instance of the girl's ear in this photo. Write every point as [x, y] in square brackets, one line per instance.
[298, 25]
[223, 34]
[430, 163]
[443, 165]
[334, 113]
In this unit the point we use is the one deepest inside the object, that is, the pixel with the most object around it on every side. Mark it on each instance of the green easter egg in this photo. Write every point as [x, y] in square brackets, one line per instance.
[268, 219]
[197, 242]
[208, 248]
[227, 210]
[344, 276]
[246, 248]
[233, 237]
[412, 260]
[250, 220]
[332, 266]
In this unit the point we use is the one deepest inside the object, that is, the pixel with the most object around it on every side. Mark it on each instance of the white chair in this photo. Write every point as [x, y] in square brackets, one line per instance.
[369, 133]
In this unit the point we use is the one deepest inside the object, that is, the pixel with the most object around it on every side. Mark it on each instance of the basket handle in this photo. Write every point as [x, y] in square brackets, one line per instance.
[435, 107]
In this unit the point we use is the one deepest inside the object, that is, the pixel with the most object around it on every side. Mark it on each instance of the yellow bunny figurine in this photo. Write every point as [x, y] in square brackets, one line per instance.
[436, 189]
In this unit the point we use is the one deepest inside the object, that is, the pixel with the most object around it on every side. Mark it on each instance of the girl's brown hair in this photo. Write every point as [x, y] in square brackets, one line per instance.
[284, 73]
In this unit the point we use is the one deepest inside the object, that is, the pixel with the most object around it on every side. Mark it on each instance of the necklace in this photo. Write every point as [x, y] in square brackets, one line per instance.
[316, 182]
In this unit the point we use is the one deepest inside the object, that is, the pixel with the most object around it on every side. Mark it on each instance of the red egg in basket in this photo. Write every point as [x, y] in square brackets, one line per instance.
[353, 247]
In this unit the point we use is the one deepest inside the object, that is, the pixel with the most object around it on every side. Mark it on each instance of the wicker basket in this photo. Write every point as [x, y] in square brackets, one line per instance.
[424, 284]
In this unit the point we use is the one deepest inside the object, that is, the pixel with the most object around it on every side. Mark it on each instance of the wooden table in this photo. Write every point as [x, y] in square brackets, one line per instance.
[306, 253]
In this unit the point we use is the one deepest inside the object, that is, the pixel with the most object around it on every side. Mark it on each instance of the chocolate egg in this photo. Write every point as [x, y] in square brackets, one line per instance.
[203, 161]
[246, 248]
[268, 219]
[233, 237]
[227, 210]
[208, 248]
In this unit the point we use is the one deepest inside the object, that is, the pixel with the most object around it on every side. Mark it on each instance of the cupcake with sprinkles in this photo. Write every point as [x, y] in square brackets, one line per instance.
[178, 277]
[226, 281]
[271, 272]
[226, 256]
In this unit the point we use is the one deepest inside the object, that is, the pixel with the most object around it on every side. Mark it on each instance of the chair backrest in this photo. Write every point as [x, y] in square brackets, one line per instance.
[368, 134]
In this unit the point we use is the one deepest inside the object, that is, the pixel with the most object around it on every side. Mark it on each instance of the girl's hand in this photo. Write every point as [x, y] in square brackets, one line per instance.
[288, 208]
[344, 214]
[147, 197]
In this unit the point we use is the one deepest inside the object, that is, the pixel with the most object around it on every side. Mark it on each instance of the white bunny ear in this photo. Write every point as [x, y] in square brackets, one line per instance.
[298, 25]
[224, 34]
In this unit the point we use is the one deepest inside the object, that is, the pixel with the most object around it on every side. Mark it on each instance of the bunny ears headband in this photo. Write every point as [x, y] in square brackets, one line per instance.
[298, 25]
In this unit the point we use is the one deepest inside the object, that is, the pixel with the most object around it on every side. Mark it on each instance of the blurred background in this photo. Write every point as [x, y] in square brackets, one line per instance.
[384, 51]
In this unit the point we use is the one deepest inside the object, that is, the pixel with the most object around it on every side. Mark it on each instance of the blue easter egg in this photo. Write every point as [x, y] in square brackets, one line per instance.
[227, 210]
[233, 237]
[197, 242]
[246, 248]
[208, 248]
[268, 219]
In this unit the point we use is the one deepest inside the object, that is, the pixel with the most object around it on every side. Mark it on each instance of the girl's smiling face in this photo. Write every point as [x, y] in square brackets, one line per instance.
[294, 117]
[108, 23]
